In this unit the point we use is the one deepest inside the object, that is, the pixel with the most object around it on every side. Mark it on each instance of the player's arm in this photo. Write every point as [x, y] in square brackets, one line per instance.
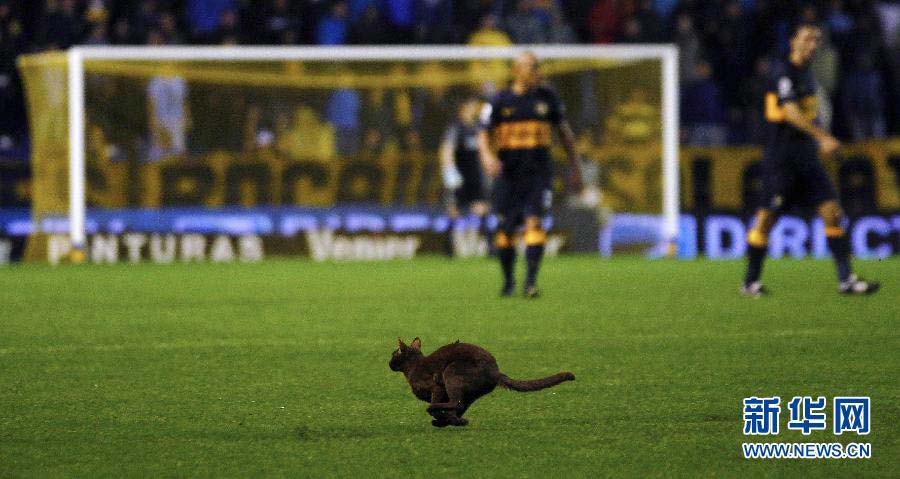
[567, 137]
[795, 117]
[188, 116]
[153, 122]
[448, 148]
[452, 178]
[489, 161]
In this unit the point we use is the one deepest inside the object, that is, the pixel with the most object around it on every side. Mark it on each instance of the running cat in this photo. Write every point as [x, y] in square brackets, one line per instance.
[453, 377]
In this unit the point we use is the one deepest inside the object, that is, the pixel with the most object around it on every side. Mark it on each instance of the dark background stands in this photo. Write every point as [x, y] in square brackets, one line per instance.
[727, 46]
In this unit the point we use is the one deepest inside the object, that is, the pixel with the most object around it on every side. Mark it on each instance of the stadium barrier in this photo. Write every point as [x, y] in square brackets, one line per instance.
[180, 210]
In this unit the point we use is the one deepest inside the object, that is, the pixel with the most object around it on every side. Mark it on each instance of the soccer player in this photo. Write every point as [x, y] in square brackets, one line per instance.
[792, 172]
[461, 169]
[521, 119]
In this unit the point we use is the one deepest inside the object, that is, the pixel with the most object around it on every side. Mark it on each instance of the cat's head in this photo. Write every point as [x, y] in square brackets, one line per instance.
[404, 353]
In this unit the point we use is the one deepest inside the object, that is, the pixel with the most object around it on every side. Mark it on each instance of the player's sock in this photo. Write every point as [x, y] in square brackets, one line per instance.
[507, 263]
[533, 256]
[506, 252]
[534, 252]
[485, 231]
[448, 241]
[757, 248]
[755, 258]
[840, 251]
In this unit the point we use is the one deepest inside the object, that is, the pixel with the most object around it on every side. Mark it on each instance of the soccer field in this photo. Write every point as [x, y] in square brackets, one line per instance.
[279, 369]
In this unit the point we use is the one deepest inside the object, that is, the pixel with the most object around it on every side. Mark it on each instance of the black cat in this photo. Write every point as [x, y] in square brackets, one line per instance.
[453, 377]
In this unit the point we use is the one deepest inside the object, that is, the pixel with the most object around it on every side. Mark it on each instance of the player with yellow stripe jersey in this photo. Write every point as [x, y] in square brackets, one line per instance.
[790, 83]
[793, 174]
[520, 122]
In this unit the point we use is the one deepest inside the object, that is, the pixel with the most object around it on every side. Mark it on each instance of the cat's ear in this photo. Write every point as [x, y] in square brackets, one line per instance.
[401, 342]
[417, 343]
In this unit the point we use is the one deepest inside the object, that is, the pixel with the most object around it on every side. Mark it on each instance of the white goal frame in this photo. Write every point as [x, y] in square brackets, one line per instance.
[667, 54]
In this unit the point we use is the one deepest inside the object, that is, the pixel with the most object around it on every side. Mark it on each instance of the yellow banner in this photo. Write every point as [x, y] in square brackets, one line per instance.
[866, 176]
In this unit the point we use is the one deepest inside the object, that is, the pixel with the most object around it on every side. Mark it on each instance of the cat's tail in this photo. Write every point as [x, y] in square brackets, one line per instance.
[535, 384]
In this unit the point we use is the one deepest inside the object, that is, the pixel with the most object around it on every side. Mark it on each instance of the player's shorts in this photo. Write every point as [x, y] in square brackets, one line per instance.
[516, 200]
[462, 198]
[793, 175]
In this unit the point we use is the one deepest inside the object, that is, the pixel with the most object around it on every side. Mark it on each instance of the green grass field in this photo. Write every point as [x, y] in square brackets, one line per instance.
[279, 369]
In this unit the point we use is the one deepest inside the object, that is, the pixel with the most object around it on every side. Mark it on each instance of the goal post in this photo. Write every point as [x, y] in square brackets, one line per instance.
[81, 56]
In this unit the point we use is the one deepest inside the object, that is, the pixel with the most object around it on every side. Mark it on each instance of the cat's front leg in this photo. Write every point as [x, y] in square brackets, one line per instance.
[440, 415]
[445, 413]
[438, 394]
[438, 400]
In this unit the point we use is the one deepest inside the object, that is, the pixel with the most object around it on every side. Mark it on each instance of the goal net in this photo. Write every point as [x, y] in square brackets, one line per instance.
[274, 142]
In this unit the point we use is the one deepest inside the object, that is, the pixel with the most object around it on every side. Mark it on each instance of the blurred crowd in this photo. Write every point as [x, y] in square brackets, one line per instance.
[727, 46]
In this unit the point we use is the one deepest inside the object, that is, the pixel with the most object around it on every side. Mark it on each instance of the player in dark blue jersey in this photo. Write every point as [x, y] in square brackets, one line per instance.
[464, 187]
[793, 175]
[520, 120]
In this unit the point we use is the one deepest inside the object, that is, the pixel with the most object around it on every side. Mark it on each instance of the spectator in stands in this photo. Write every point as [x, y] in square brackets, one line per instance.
[730, 34]
[605, 21]
[731, 40]
[399, 14]
[825, 67]
[97, 35]
[277, 21]
[525, 25]
[204, 16]
[306, 137]
[702, 110]
[753, 89]
[63, 25]
[12, 38]
[649, 21]
[168, 28]
[370, 29]
[690, 50]
[664, 8]
[889, 15]
[863, 107]
[169, 114]
[228, 30]
[333, 28]
[145, 19]
[866, 40]
[343, 112]
[840, 24]
[560, 31]
[12, 121]
[435, 22]
[632, 32]
[96, 12]
[489, 33]
[122, 33]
